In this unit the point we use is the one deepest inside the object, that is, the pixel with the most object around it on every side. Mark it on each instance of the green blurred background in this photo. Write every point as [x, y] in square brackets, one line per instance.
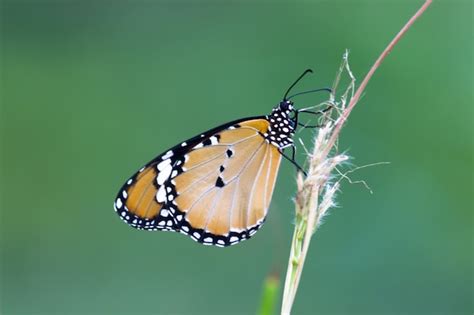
[92, 90]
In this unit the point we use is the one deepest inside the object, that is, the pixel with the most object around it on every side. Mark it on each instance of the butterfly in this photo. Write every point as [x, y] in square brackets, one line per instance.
[217, 186]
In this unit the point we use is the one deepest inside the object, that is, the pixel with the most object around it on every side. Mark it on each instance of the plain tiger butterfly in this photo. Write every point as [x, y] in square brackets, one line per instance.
[215, 187]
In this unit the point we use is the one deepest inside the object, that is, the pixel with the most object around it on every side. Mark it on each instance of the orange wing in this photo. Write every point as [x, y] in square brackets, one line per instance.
[216, 187]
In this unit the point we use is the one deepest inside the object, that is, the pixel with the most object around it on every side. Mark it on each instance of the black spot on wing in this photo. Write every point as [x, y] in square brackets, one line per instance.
[219, 182]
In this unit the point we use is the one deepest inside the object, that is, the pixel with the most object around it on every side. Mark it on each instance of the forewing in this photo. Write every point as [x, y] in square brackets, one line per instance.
[215, 187]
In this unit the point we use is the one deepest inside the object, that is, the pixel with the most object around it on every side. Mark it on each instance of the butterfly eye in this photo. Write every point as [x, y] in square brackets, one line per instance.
[285, 106]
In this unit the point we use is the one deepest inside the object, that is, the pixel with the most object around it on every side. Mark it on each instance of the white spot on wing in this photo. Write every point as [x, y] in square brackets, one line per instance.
[118, 202]
[167, 155]
[164, 174]
[214, 140]
[161, 195]
[162, 164]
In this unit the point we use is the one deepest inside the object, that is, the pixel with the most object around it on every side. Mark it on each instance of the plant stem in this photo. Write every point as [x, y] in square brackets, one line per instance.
[374, 67]
[315, 194]
[269, 299]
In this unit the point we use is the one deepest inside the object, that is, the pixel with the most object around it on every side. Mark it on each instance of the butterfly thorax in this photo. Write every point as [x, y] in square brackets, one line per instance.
[282, 126]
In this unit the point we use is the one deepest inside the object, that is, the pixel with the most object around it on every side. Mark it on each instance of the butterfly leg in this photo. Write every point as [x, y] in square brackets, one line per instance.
[319, 112]
[306, 126]
[292, 159]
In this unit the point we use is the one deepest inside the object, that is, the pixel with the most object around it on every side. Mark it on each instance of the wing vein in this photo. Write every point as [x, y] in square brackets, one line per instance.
[228, 144]
[196, 182]
[231, 212]
[252, 191]
[251, 128]
[142, 195]
[218, 155]
[214, 204]
[246, 163]
[243, 168]
[266, 181]
[198, 199]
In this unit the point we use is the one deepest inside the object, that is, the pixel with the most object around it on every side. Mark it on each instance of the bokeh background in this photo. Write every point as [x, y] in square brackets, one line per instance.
[92, 90]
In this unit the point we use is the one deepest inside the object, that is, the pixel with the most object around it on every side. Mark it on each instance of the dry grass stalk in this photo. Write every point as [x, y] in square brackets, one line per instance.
[316, 193]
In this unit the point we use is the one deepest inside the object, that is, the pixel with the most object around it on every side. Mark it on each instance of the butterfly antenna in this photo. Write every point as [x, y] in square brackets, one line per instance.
[297, 80]
[311, 91]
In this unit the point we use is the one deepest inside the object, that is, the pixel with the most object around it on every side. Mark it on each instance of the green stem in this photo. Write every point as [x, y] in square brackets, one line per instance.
[269, 300]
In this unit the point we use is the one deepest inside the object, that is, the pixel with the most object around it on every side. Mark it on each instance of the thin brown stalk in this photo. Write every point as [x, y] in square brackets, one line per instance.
[316, 193]
[377, 63]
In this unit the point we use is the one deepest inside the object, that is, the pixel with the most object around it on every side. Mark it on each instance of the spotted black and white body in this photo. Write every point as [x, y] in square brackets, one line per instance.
[216, 187]
[282, 126]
